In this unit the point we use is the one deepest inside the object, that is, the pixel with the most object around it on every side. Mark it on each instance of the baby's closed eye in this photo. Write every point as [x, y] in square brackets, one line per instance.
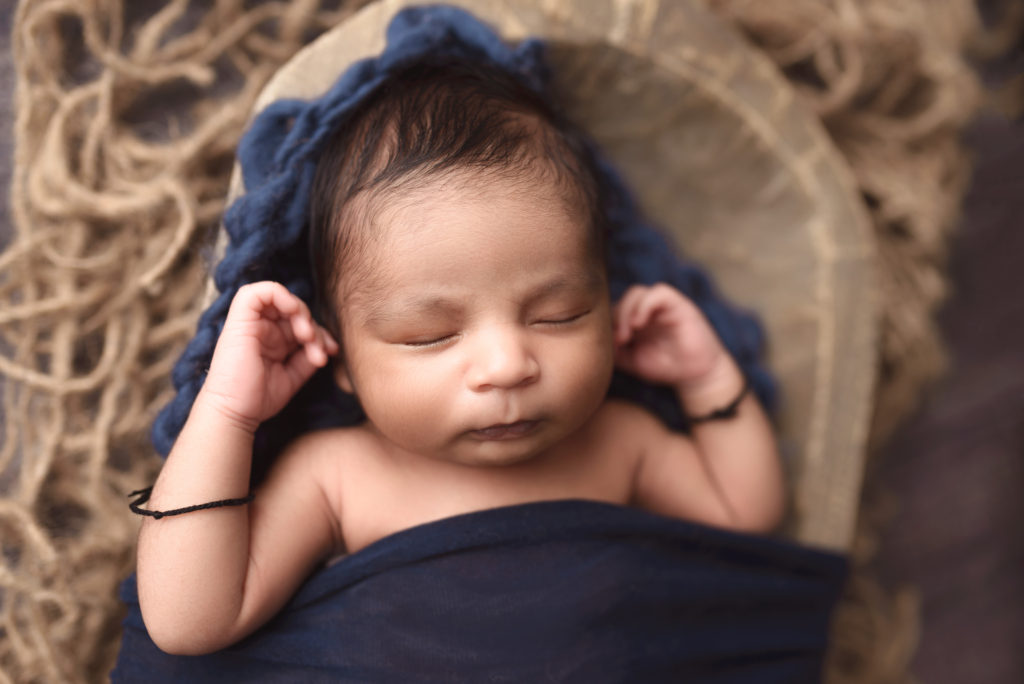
[430, 340]
[562, 318]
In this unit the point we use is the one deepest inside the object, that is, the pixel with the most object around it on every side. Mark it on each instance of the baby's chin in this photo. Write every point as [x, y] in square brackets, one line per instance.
[479, 452]
[491, 460]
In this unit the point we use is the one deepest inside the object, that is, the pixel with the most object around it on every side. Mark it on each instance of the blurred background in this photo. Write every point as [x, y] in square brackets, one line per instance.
[952, 475]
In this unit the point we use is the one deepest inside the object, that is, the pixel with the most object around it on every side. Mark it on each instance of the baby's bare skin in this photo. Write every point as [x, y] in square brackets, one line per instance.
[482, 357]
[375, 495]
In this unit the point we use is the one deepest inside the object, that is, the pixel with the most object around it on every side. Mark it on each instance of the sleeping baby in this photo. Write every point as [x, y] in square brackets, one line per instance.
[457, 240]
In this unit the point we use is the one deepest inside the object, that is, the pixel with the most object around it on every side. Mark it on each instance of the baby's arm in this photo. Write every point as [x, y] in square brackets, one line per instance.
[729, 474]
[208, 578]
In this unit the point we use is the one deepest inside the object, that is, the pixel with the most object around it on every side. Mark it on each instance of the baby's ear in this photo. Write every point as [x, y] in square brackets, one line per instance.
[341, 376]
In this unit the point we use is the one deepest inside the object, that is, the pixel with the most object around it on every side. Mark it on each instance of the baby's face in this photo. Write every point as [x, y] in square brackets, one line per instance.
[483, 333]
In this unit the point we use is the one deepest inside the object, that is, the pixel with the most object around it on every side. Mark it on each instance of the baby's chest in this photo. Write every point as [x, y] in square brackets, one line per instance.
[377, 501]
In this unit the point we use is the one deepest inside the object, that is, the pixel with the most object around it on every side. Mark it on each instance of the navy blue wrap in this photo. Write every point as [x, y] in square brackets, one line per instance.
[559, 591]
[268, 231]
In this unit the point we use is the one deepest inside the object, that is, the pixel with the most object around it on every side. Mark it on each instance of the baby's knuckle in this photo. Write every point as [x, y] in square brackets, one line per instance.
[249, 290]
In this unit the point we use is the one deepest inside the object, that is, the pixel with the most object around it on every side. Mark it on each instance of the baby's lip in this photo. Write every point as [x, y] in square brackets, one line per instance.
[503, 431]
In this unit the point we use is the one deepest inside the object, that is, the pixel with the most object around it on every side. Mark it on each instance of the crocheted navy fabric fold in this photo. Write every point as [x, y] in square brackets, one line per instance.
[267, 228]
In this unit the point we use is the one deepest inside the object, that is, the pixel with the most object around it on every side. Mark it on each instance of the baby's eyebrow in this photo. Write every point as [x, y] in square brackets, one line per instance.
[577, 282]
[384, 312]
[389, 312]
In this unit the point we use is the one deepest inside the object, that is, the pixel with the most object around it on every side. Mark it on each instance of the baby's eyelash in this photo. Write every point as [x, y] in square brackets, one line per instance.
[427, 344]
[442, 340]
[566, 319]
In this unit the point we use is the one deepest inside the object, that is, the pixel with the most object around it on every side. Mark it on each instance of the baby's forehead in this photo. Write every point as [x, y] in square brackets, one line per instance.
[435, 198]
[453, 235]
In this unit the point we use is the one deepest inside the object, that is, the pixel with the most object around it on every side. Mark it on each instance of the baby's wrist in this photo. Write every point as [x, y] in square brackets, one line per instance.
[213, 408]
[717, 388]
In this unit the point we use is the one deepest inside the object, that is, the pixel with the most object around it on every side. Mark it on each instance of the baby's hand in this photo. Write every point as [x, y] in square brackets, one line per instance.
[269, 347]
[662, 337]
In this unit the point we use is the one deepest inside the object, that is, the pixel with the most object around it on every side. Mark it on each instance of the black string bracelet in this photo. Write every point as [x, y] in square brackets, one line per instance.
[726, 412]
[143, 497]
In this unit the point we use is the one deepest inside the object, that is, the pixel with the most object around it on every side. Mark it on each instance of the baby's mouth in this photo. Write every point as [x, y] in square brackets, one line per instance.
[520, 428]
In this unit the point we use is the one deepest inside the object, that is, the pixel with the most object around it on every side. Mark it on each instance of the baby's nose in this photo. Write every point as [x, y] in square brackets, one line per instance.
[502, 360]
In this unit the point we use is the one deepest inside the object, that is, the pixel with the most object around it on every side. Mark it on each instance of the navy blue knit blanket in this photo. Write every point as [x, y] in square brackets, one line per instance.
[555, 591]
[559, 591]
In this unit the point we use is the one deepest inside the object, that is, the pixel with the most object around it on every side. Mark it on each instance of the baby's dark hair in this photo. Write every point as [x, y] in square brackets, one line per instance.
[429, 119]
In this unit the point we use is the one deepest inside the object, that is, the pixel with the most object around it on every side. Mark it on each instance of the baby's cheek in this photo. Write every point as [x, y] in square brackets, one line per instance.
[407, 402]
[586, 372]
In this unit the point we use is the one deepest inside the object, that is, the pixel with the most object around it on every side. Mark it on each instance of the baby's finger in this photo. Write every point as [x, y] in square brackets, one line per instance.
[658, 300]
[316, 354]
[291, 308]
[645, 309]
[320, 345]
[300, 367]
[266, 299]
[277, 303]
[304, 328]
[332, 344]
[328, 342]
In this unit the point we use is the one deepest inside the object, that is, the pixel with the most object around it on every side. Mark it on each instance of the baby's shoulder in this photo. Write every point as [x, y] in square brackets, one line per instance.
[332, 448]
[614, 415]
[327, 440]
[346, 462]
[621, 429]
